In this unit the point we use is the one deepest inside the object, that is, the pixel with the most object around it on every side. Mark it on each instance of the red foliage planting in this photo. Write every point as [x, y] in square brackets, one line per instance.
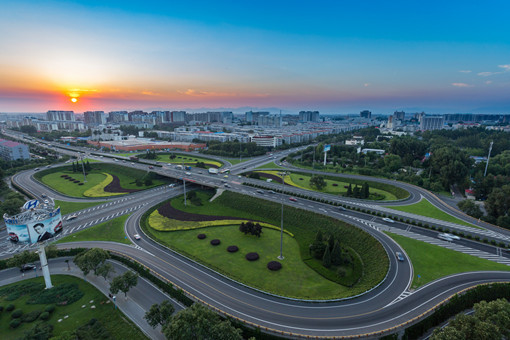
[201, 236]
[114, 186]
[252, 256]
[232, 249]
[274, 265]
[168, 211]
[215, 242]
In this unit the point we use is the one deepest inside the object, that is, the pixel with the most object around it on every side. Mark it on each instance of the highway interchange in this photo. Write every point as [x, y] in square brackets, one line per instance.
[385, 308]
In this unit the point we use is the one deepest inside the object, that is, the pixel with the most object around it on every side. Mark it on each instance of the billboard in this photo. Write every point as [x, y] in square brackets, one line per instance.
[34, 230]
[327, 148]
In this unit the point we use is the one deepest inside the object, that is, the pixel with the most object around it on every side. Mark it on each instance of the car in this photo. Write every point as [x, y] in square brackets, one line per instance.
[260, 191]
[292, 199]
[453, 237]
[137, 237]
[151, 167]
[171, 185]
[200, 172]
[27, 267]
[71, 217]
[342, 208]
[188, 173]
[445, 237]
[400, 256]
[46, 202]
[36, 169]
[43, 196]
[389, 220]
[132, 163]
[271, 192]
[48, 166]
[226, 185]
[226, 176]
[115, 160]
[239, 176]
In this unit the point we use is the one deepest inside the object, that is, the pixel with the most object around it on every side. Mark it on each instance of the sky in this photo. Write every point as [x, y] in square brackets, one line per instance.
[336, 57]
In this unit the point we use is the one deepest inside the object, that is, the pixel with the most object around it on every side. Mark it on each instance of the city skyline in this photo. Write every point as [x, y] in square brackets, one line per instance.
[330, 57]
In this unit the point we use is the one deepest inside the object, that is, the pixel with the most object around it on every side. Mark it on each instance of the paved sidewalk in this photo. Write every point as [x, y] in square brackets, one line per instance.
[139, 298]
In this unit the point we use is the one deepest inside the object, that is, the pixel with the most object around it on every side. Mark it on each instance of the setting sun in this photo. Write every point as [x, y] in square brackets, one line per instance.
[74, 100]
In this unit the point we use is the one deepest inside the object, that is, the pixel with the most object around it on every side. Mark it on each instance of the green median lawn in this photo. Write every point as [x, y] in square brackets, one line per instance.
[425, 208]
[73, 315]
[432, 262]
[69, 207]
[271, 165]
[112, 230]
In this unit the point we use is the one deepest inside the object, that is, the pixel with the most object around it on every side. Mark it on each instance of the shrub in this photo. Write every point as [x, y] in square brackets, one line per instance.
[44, 316]
[274, 265]
[201, 236]
[80, 183]
[1, 308]
[335, 184]
[215, 242]
[17, 313]
[32, 316]
[9, 307]
[49, 308]
[252, 256]
[232, 249]
[15, 323]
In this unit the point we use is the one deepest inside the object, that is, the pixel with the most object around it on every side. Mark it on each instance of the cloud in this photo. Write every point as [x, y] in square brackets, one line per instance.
[465, 71]
[150, 93]
[461, 85]
[506, 67]
[488, 82]
[487, 74]
[367, 84]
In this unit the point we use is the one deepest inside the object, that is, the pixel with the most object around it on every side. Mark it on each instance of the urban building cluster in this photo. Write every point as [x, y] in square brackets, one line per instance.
[12, 151]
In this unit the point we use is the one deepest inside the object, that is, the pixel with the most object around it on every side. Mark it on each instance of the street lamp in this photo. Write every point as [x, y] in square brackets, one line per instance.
[283, 174]
[83, 168]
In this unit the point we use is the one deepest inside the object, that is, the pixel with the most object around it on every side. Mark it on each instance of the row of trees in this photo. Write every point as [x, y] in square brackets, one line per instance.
[234, 149]
[251, 228]
[358, 192]
[77, 167]
[328, 250]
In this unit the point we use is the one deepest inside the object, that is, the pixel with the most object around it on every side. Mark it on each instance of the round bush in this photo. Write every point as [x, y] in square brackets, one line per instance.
[15, 323]
[80, 183]
[274, 265]
[335, 184]
[201, 236]
[215, 242]
[1, 308]
[31, 317]
[252, 256]
[49, 308]
[300, 179]
[232, 249]
[44, 316]
[9, 307]
[17, 313]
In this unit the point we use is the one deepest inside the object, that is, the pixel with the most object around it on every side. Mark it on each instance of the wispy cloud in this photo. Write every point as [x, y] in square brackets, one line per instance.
[366, 84]
[488, 82]
[461, 85]
[506, 67]
[465, 71]
[150, 93]
[487, 74]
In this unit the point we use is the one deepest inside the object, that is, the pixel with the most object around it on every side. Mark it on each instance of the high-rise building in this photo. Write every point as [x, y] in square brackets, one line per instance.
[309, 116]
[431, 122]
[177, 116]
[11, 151]
[117, 116]
[60, 116]
[94, 117]
[271, 120]
[400, 115]
[365, 114]
[253, 117]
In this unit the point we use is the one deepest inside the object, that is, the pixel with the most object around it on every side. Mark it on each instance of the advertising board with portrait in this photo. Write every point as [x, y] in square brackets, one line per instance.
[36, 230]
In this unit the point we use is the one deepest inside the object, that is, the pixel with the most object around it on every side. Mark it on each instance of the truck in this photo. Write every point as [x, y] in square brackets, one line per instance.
[188, 167]
[133, 158]
[213, 171]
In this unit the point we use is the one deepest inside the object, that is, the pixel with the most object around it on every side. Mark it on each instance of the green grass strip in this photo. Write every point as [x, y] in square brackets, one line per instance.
[432, 262]
[69, 207]
[112, 230]
[425, 208]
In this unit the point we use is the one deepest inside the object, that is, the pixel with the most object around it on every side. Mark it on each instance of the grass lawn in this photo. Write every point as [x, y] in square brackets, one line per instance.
[303, 181]
[186, 159]
[425, 208]
[271, 165]
[112, 230]
[295, 279]
[95, 179]
[432, 262]
[69, 207]
[115, 322]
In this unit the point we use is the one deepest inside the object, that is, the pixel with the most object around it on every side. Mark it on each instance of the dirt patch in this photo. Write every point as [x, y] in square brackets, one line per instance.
[114, 186]
[168, 211]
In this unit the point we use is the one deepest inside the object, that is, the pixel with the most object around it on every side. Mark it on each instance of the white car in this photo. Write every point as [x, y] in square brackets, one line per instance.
[389, 220]
[453, 237]
[188, 173]
[137, 237]
[445, 237]
[72, 217]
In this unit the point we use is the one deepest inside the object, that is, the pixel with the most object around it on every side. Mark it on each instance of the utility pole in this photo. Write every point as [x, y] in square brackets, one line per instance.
[184, 182]
[488, 158]
[83, 168]
[281, 222]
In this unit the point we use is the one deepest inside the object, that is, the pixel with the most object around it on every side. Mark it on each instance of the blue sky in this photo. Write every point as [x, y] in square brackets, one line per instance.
[332, 56]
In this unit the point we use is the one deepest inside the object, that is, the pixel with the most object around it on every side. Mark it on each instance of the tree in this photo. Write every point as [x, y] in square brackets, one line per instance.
[349, 190]
[51, 251]
[331, 242]
[20, 259]
[336, 254]
[91, 260]
[105, 270]
[392, 162]
[318, 236]
[74, 167]
[318, 182]
[356, 191]
[198, 322]
[498, 202]
[491, 320]
[326, 259]
[365, 190]
[159, 314]
[450, 164]
[124, 283]
[148, 182]
[470, 208]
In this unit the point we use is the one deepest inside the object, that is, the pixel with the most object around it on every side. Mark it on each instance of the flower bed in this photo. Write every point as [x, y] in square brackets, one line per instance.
[274, 265]
[252, 256]
[215, 242]
[201, 236]
[232, 249]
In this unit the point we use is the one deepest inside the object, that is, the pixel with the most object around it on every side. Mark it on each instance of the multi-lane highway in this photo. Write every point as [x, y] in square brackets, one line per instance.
[389, 305]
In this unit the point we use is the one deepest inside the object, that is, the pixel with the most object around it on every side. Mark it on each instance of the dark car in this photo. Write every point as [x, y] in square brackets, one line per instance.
[399, 256]
[26, 267]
